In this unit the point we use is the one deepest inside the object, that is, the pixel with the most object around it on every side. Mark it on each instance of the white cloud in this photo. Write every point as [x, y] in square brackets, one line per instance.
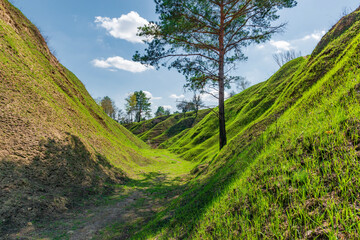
[314, 36]
[287, 45]
[124, 27]
[149, 95]
[174, 96]
[113, 63]
[281, 45]
[168, 107]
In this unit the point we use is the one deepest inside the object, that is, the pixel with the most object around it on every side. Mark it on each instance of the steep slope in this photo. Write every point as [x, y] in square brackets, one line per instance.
[56, 144]
[161, 129]
[242, 111]
[291, 169]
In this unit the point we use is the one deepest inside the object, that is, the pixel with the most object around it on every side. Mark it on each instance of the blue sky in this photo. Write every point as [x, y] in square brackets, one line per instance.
[95, 40]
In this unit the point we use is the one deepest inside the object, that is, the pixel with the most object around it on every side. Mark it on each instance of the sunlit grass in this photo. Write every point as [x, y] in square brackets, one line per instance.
[291, 170]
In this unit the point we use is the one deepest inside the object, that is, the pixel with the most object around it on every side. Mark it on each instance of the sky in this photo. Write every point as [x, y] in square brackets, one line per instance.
[97, 39]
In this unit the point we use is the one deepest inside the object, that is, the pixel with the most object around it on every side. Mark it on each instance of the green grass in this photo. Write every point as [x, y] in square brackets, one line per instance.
[159, 183]
[45, 84]
[59, 143]
[153, 187]
[291, 169]
[201, 142]
[158, 131]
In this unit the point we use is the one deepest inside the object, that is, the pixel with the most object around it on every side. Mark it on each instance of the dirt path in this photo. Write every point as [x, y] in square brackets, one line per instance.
[117, 216]
[126, 211]
[120, 219]
[121, 212]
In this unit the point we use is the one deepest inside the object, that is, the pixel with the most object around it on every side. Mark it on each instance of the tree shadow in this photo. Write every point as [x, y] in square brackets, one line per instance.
[59, 177]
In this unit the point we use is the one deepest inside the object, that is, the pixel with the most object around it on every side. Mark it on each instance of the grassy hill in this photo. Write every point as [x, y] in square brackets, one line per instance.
[56, 144]
[291, 168]
[159, 130]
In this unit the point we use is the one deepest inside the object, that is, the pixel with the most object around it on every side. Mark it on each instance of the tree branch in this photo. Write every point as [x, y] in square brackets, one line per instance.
[185, 55]
[202, 16]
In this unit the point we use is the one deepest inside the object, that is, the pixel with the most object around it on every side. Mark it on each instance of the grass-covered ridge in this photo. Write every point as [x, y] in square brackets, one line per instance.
[56, 144]
[291, 169]
[242, 111]
[162, 129]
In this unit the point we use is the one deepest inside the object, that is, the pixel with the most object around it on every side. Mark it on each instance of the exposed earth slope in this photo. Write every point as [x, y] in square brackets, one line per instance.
[56, 143]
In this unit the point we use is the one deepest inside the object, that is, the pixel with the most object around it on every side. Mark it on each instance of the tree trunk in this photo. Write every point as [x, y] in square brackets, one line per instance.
[222, 128]
[140, 112]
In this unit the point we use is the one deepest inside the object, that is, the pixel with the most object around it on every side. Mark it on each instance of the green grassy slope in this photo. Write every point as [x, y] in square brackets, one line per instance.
[56, 144]
[242, 111]
[160, 130]
[291, 168]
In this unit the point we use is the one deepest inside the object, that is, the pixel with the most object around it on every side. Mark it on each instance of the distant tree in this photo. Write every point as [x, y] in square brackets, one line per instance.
[167, 112]
[204, 39]
[232, 93]
[285, 57]
[193, 105]
[184, 106]
[241, 85]
[196, 104]
[130, 106]
[122, 117]
[108, 106]
[346, 11]
[142, 107]
[160, 111]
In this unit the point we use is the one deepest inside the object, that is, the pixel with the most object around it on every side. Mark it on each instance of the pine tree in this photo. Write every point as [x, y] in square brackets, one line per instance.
[205, 38]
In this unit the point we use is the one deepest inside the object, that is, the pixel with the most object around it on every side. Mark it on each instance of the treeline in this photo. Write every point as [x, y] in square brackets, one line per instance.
[138, 107]
[193, 105]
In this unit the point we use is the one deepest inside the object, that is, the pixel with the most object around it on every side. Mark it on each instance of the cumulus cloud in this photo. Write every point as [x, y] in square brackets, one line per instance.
[314, 36]
[149, 95]
[124, 27]
[120, 63]
[174, 96]
[168, 107]
[299, 43]
[281, 45]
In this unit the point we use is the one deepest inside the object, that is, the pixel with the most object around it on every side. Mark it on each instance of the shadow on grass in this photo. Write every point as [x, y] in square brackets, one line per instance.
[148, 196]
[59, 177]
[158, 186]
